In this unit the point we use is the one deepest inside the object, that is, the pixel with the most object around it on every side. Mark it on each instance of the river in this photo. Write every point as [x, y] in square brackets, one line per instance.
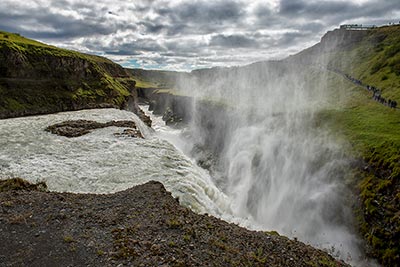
[100, 162]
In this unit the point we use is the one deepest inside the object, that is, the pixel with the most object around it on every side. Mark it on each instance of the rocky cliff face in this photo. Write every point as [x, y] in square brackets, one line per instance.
[36, 78]
[336, 40]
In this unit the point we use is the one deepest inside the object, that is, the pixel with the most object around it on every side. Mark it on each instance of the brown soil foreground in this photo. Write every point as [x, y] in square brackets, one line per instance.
[141, 226]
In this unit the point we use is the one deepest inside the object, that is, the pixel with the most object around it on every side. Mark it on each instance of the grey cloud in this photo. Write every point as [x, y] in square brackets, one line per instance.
[179, 54]
[263, 10]
[135, 47]
[315, 9]
[188, 46]
[306, 20]
[334, 11]
[211, 12]
[265, 17]
[152, 27]
[121, 52]
[178, 29]
[292, 7]
[313, 27]
[200, 17]
[320, 15]
[59, 26]
[175, 31]
[290, 38]
[233, 41]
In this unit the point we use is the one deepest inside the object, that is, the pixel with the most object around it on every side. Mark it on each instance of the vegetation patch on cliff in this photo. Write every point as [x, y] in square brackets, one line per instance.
[373, 131]
[37, 78]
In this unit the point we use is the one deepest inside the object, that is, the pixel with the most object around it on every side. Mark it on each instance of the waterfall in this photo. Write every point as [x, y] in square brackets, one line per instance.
[274, 168]
[288, 177]
[279, 170]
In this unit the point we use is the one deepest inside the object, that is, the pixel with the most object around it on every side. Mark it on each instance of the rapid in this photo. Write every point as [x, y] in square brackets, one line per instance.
[100, 162]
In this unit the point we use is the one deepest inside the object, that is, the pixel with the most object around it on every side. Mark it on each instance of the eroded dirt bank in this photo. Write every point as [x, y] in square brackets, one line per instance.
[141, 226]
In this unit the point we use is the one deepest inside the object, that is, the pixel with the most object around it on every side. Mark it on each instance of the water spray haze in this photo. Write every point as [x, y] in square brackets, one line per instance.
[279, 169]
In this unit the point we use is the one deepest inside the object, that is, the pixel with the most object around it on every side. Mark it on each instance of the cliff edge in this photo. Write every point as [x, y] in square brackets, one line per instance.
[141, 226]
[36, 78]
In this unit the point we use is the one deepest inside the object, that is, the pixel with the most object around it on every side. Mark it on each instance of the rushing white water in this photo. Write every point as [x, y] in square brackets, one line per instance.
[276, 180]
[280, 170]
[281, 173]
[100, 162]
[287, 180]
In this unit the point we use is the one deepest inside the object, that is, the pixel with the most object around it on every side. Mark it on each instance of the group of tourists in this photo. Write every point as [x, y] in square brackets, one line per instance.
[354, 80]
[376, 93]
[378, 97]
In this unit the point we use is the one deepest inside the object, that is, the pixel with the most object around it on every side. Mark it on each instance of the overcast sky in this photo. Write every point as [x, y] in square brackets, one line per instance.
[188, 34]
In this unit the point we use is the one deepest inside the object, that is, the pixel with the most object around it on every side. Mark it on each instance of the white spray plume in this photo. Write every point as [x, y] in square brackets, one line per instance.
[279, 169]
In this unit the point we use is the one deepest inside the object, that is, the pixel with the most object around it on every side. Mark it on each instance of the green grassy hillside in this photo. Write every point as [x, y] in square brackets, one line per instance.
[372, 129]
[37, 78]
[375, 60]
[156, 78]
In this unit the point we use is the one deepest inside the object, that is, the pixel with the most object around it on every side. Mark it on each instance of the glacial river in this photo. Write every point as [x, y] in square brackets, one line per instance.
[100, 162]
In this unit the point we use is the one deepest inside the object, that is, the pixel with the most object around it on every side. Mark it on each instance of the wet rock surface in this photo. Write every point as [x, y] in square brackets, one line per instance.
[171, 119]
[129, 133]
[141, 226]
[75, 128]
[143, 117]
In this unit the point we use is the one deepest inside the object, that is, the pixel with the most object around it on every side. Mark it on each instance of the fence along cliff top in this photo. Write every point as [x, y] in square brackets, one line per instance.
[357, 27]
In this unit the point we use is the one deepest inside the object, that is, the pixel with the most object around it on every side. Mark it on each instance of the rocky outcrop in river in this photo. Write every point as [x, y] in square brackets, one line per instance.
[81, 127]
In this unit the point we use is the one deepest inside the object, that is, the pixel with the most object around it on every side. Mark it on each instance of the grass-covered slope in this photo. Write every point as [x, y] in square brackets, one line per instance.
[155, 78]
[151, 84]
[372, 129]
[37, 78]
[374, 133]
[375, 60]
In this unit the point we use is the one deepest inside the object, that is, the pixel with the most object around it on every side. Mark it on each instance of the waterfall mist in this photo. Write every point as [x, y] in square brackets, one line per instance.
[280, 168]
